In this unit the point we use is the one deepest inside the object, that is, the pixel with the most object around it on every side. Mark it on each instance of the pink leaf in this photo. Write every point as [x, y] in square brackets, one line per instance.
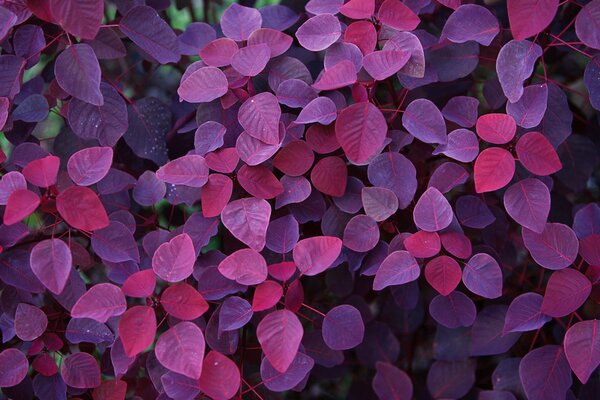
[220, 379]
[358, 9]
[245, 266]
[443, 274]
[203, 85]
[248, 219]
[174, 260]
[537, 154]
[89, 166]
[181, 349]
[582, 348]
[361, 130]
[13, 367]
[21, 204]
[496, 128]
[494, 169]
[137, 328]
[314, 255]
[329, 176]
[190, 170]
[183, 302]
[81, 208]
[51, 262]
[266, 295]
[140, 284]
[80, 18]
[398, 16]
[398, 268]
[80, 370]
[43, 171]
[530, 17]
[100, 302]
[279, 334]
[259, 116]
[30, 322]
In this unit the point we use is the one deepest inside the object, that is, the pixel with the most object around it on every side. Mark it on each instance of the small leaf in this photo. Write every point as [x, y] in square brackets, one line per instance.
[279, 334]
[174, 260]
[137, 329]
[343, 328]
[100, 302]
[181, 349]
[78, 73]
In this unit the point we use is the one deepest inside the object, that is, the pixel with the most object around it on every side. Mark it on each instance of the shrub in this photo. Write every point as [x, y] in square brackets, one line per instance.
[349, 200]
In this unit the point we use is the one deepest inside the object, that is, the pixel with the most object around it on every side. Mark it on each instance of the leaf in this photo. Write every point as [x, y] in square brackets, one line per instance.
[280, 382]
[266, 295]
[33, 109]
[89, 166]
[391, 382]
[252, 59]
[529, 110]
[181, 349]
[80, 370]
[361, 130]
[524, 314]
[385, 63]
[320, 109]
[238, 22]
[423, 244]
[259, 116]
[358, 9]
[278, 42]
[566, 291]
[462, 146]
[30, 322]
[190, 170]
[454, 310]
[220, 379]
[245, 266]
[545, 373]
[234, 313]
[432, 212]
[319, 32]
[530, 17]
[451, 379]
[556, 247]
[203, 85]
[148, 30]
[494, 169]
[343, 328]
[537, 154]
[20, 204]
[471, 22]
[101, 302]
[13, 367]
[282, 234]
[43, 171]
[472, 212]
[482, 275]
[259, 181]
[137, 328]
[461, 110]
[528, 203]
[398, 16]
[149, 122]
[423, 120]
[85, 330]
[496, 128]
[140, 284]
[247, 219]
[443, 274]
[329, 176]
[340, 75]
[81, 208]
[316, 254]
[7, 21]
[515, 63]
[11, 75]
[398, 268]
[586, 24]
[582, 349]
[279, 334]
[174, 260]
[51, 262]
[395, 172]
[80, 18]
[219, 52]
[379, 203]
[78, 73]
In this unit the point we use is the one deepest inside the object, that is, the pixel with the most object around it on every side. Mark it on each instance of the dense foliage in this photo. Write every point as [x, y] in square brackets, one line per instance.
[312, 199]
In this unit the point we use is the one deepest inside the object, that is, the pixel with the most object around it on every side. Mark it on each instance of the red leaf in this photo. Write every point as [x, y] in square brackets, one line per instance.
[494, 169]
[43, 171]
[137, 328]
[279, 334]
[183, 302]
[81, 208]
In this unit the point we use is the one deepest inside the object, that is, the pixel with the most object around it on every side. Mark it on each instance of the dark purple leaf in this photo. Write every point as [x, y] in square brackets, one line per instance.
[471, 22]
[238, 22]
[524, 314]
[78, 73]
[454, 310]
[319, 32]
[398, 268]
[566, 291]
[515, 64]
[545, 373]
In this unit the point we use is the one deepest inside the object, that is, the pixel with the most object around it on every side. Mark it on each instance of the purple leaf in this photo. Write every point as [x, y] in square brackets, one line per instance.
[7, 21]
[80, 370]
[51, 262]
[152, 33]
[295, 93]
[432, 212]
[462, 146]
[318, 7]
[398, 268]
[451, 379]
[296, 189]
[277, 42]
[482, 276]
[406, 41]
[11, 75]
[234, 313]
[149, 122]
[528, 203]
[471, 22]
[524, 314]
[395, 172]
[149, 189]
[278, 17]
[115, 243]
[385, 63]
[30, 322]
[556, 247]
[247, 219]
[391, 382]
[514, 65]
[487, 336]
[545, 373]
[238, 22]
[454, 310]
[33, 109]
[566, 291]
[279, 334]
[259, 116]
[252, 59]
[461, 110]
[219, 52]
[173, 261]
[13, 367]
[203, 85]
[582, 349]
[100, 302]
[342, 51]
[181, 349]
[319, 32]
[379, 203]
[361, 233]
[89, 166]
[321, 110]
[361, 130]
[343, 328]
[529, 110]
[81, 18]
[245, 266]
[85, 330]
[297, 371]
[423, 120]
[78, 73]
[340, 75]
[530, 17]
[195, 37]
[472, 212]
[190, 170]
[586, 22]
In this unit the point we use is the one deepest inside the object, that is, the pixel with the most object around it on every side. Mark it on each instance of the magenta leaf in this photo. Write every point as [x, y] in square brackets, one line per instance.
[528, 203]
[140, 284]
[582, 349]
[320, 109]
[137, 329]
[361, 234]
[80, 370]
[190, 170]
[30, 322]
[529, 17]
[173, 261]
[443, 274]
[181, 349]
[391, 382]
[219, 52]
[89, 166]
[245, 266]
[330, 176]
[432, 212]
[496, 128]
[358, 9]
[51, 262]
[43, 171]
[314, 255]
[148, 30]
[537, 154]
[361, 130]
[338, 76]
[494, 169]
[238, 22]
[81, 208]
[545, 373]
[398, 16]
[482, 275]
[183, 302]
[423, 120]
[100, 302]
[252, 59]
[524, 314]
[247, 219]
[385, 63]
[556, 247]
[319, 32]
[259, 181]
[259, 116]
[454, 310]
[220, 377]
[398, 268]
[279, 334]
[278, 42]
[78, 73]
[80, 18]
[13, 367]
[266, 295]
[566, 291]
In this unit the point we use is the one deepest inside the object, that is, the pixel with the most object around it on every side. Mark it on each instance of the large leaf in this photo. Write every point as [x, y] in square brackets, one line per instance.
[78, 73]
[582, 348]
[149, 123]
[494, 169]
[51, 262]
[432, 212]
[174, 260]
[361, 130]
[90, 165]
[13, 367]
[482, 275]
[524, 314]
[545, 373]
[137, 329]
[279, 334]
[566, 291]
[514, 65]
[181, 349]
[259, 116]
[203, 85]
[247, 219]
[238, 22]
[528, 203]
[423, 120]
[80, 370]
[471, 22]
[343, 328]
[398, 268]
[530, 17]
[319, 32]
[80, 18]
[81, 208]
[245, 266]
[314, 255]
[101, 302]
[556, 247]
